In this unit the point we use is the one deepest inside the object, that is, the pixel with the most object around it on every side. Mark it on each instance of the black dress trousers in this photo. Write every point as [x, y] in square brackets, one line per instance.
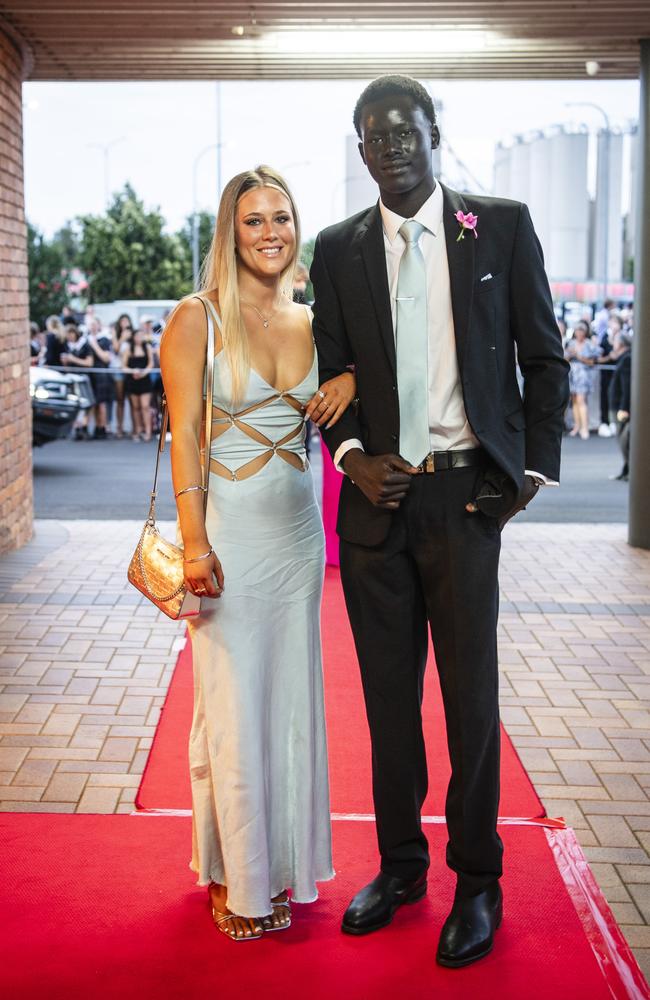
[437, 566]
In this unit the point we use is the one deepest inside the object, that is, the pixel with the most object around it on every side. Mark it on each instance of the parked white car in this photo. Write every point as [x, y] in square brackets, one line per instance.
[155, 309]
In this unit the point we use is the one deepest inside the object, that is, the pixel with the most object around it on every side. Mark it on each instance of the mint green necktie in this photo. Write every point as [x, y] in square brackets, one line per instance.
[412, 348]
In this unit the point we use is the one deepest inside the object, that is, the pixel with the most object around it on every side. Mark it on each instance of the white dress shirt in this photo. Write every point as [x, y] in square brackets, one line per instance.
[449, 427]
[448, 424]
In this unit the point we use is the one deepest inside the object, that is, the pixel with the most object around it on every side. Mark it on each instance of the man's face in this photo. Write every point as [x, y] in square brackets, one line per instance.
[396, 143]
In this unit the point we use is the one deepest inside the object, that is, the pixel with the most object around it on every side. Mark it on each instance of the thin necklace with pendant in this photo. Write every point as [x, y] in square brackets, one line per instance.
[265, 319]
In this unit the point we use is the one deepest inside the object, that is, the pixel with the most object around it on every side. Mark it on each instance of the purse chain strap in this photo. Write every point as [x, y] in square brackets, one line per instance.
[151, 529]
[150, 522]
[164, 421]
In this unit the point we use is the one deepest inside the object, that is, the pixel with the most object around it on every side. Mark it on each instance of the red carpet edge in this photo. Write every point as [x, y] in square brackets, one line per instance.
[613, 954]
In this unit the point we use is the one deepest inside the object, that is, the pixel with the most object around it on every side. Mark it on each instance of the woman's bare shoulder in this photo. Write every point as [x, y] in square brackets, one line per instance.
[186, 326]
[189, 310]
[299, 313]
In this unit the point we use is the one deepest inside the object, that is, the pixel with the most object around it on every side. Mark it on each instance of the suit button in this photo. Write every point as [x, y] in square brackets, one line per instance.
[393, 437]
[394, 388]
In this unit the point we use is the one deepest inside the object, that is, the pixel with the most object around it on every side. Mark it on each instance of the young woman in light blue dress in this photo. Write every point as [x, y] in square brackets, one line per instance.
[258, 761]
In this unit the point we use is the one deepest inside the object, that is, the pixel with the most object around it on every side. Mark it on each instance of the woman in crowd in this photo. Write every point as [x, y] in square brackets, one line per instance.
[78, 355]
[91, 350]
[36, 343]
[137, 362]
[102, 382]
[152, 330]
[55, 341]
[582, 354]
[120, 332]
[258, 759]
[607, 357]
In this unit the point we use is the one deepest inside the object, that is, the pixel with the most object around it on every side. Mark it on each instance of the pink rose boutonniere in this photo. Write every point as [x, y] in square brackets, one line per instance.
[467, 221]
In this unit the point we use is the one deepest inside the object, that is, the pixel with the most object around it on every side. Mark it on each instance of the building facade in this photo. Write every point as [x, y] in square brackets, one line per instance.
[15, 408]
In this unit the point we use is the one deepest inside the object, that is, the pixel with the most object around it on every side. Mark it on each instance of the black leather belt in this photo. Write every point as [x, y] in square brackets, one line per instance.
[442, 461]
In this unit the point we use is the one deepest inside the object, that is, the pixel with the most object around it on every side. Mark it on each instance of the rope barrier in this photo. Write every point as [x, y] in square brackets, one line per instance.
[83, 370]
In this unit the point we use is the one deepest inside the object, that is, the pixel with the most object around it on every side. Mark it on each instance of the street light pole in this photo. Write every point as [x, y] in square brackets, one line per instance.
[336, 188]
[590, 104]
[195, 214]
[219, 140]
[105, 147]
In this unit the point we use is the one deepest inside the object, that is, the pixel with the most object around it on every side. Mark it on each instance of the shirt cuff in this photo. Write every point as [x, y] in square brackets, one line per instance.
[343, 449]
[540, 478]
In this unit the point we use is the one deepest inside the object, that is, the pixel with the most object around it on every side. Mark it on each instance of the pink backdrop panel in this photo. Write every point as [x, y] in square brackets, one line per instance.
[331, 490]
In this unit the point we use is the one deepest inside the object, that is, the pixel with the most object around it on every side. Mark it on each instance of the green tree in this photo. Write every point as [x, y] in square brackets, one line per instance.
[67, 239]
[127, 254]
[48, 265]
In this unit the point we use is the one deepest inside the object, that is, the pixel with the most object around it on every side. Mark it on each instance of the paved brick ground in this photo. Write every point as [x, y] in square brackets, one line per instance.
[85, 664]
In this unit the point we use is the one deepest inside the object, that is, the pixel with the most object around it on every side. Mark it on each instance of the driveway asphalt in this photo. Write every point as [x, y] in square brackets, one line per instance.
[112, 479]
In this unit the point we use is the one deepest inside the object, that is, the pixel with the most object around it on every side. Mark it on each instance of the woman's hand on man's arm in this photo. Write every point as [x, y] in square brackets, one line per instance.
[329, 403]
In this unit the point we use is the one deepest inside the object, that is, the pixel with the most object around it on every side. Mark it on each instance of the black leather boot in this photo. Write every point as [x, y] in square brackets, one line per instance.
[468, 932]
[374, 906]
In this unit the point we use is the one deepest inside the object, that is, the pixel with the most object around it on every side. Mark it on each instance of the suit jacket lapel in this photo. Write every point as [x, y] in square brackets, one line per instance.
[460, 257]
[371, 236]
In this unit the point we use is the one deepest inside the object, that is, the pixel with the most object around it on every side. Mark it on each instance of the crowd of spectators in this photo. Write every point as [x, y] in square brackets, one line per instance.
[599, 353]
[122, 378]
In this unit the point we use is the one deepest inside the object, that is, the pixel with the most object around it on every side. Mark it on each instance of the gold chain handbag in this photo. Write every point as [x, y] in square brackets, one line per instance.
[156, 568]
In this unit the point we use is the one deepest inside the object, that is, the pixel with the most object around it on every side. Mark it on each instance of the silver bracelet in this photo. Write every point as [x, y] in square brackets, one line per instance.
[199, 558]
[190, 489]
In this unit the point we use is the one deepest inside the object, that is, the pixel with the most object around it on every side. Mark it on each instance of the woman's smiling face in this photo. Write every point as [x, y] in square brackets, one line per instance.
[265, 233]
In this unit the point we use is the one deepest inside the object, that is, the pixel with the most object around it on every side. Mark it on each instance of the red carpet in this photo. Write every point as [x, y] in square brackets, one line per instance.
[165, 784]
[104, 906]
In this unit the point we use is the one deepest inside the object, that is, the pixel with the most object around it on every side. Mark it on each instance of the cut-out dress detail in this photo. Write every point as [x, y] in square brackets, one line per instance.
[258, 756]
[244, 421]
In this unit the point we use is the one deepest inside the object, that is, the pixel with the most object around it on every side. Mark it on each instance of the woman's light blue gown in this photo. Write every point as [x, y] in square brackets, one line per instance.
[258, 756]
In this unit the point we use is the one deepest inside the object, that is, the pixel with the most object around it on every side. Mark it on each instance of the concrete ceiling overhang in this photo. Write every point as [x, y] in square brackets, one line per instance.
[204, 39]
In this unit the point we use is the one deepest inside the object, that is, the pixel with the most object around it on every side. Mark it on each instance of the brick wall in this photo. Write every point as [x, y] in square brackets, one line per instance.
[15, 410]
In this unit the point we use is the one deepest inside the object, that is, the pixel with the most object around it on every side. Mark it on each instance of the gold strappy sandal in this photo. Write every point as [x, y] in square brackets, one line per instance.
[267, 921]
[221, 919]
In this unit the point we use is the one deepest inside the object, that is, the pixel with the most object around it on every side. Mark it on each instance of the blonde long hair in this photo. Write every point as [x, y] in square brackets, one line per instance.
[219, 270]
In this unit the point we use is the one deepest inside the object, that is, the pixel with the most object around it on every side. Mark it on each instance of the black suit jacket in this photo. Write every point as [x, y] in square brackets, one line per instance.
[506, 317]
[620, 389]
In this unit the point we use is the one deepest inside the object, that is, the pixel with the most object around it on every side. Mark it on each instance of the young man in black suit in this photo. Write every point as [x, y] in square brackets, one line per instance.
[433, 313]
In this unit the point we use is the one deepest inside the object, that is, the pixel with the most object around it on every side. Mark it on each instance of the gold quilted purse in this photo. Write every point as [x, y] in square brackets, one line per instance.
[156, 567]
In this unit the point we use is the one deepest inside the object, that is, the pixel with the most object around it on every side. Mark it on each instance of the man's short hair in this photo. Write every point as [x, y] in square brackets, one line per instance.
[389, 86]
